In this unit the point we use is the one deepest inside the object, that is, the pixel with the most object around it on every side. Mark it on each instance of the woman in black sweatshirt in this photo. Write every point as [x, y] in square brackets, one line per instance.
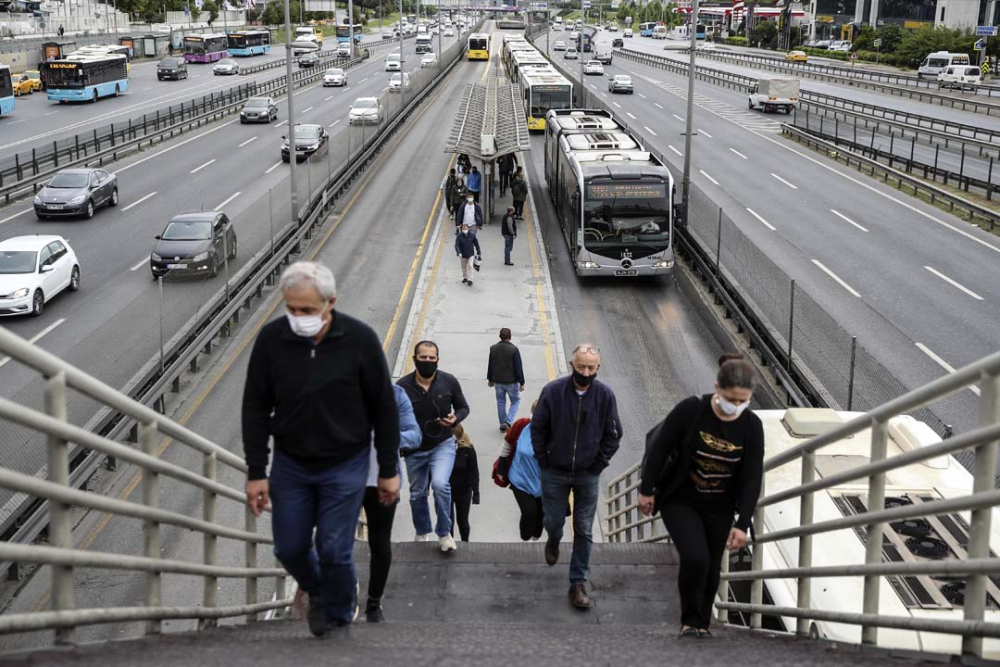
[704, 464]
[464, 482]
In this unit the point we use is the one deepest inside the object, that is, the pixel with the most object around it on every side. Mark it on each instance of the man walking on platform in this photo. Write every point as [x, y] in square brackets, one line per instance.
[505, 373]
[447, 185]
[508, 227]
[506, 164]
[469, 213]
[519, 191]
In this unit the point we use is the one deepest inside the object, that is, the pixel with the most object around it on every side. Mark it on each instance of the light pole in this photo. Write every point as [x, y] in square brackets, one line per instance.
[689, 124]
[291, 112]
[350, 24]
[579, 55]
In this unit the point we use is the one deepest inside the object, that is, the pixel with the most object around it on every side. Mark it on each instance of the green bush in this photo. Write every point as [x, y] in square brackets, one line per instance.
[736, 41]
[823, 53]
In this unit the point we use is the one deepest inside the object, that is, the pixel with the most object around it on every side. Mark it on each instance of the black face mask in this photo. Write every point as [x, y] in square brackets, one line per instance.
[426, 369]
[583, 380]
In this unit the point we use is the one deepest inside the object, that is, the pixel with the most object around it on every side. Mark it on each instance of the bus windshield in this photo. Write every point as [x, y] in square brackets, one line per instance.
[478, 43]
[6, 87]
[544, 98]
[618, 213]
[64, 75]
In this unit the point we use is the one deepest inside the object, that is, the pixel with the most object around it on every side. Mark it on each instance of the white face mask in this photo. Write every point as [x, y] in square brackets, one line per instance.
[731, 409]
[307, 326]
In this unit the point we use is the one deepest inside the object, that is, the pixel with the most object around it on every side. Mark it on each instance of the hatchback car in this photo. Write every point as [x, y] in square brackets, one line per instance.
[398, 82]
[171, 68]
[559, 46]
[259, 110]
[796, 56]
[193, 243]
[618, 42]
[571, 54]
[310, 140]
[429, 60]
[393, 63]
[35, 77]
[365, 111]
[226, 66]
[620, 83]
[593, 67]
[334, 77]
[308, 60]
[33, 270]
[23, 86]
[344, 50]
[76, 192]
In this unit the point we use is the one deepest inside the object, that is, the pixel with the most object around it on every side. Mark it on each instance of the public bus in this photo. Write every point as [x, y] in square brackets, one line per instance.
[205, 48]
[249, 43]
[543, 89]
[526, 61]
[613, 200]
[6, 91]
[86, 77]
[99, 49]
[479, 46]
[646, 29]
[344, 33]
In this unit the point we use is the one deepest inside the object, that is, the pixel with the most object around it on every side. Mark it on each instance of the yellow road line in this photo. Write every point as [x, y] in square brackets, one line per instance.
[550, 363]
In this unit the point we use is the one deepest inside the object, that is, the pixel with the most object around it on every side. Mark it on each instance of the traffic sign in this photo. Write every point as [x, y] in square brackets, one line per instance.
[986, 31]
[854, 56]
[979, 45]
[878, 42]
[985, 68]
[586, 4]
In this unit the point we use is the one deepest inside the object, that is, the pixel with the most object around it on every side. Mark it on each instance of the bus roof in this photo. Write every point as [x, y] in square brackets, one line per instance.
[479, 35]
[582, 119]
[208, 35]
[537, 77]
[249, 32]
[598, 141]
[90, 57]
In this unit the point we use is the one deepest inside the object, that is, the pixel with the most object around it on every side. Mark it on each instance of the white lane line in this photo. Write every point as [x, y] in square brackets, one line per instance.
[701, 131]
[334, 123]
[142, 262]
[765, 222]
[617, 105]
[284, 122]
[197, 169]
[38, 336]
[942, 363]
[676, 151]
[593, 86]
[650, 130]
[15, 122]
[643, 96]
[630, 116]
[11, 217]
[138, 201]
[273, 167]
[308, 110]
[327, 99]
[836, 277]
[219, 207]
[677, 117]
[602, 95]
[793, 187]
[145, 89]
[739, 153]
[51, 113]
[364, 79]
[708, 177]
[177, 145]
[251, 139]
[846, 219]
[657, 105]
[954, 283]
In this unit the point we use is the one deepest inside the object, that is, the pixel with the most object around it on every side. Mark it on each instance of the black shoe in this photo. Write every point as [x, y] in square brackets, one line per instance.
[337, 630]
[704, 633]
[470, 283]
[508, 263]
[688, 632]
[317, 622]
[551, 552]
[578, 596]
[373, 613]
[504, 426]
[465, 280]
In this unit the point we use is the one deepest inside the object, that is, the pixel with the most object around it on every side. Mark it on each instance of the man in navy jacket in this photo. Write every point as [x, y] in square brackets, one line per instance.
[575, 430]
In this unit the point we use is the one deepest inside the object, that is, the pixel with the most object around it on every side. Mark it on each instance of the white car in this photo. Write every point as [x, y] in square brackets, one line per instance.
[620, 83]
[33, 270]
[334, 77]
[575, 35]
[559, 46]
[429, 60]
[344, 50]
[627, 32]
[388, 34]
[448, 32]
[226, 66]
[393, 63]
[705, 46]
[398, 82]
[593, 67]
[571, 54]
[365, 111]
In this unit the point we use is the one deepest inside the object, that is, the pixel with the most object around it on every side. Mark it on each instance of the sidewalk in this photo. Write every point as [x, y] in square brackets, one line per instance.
[465, 321]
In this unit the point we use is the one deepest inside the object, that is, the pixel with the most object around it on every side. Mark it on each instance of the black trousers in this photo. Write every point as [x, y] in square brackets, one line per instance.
[461, 503]
[531, 514]
[504, 181]
[519, 208]
[700, 537]
[379, 519]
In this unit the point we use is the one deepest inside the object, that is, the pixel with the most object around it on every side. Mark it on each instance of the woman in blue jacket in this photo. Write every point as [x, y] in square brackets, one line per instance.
[519, 467]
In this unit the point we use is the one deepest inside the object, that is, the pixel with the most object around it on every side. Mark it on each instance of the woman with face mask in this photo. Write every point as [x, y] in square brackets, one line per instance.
[703, 467]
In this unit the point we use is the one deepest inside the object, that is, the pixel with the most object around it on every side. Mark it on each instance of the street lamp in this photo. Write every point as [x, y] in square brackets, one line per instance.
[689, 125]
[291, 112]
[350, 25]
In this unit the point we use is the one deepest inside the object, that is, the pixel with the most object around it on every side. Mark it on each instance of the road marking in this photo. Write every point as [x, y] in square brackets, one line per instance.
[197, 169]
[657, 105]
[273, 167]
[836, 277]
[334, 122]
[650, 130]
[846, 219]
[954, 283]
[942, 363]
[766, 223]
[793, 187]
[677, 117]
[138, 201]
[142, 262]
[145, 89]
[604, 95]
[617, 105]
[676, 151]
[51, 113]
[630, 115]
[364, 79]
[178, 145]
[227, 201]
[593, 86]
[701, 131]
[327, 99]
[251, 139]
[640, 95]
[738, 153]
[16, 215]
[308, 110]
[38, 336]
[284, 122]
[708, 177]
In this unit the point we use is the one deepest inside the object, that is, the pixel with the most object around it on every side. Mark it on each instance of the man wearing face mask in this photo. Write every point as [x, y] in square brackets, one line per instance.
[438, 404]
[469, 213]
[575, 430]
[318, 383]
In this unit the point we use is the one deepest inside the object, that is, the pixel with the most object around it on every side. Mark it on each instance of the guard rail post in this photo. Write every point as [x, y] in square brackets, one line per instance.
[148, 433]
[211, 542]
[873, 531]
[724, 589]
[757, 565]
[981, 519]
[804, 592]
[60, 529]
[250, 556]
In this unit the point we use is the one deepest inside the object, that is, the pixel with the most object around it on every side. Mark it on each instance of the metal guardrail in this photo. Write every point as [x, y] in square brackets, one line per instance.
[624, 524]
[362, 46]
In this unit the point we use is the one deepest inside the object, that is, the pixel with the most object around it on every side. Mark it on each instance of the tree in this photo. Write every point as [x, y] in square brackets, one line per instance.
[212, 9]
[765, 35]
[891, 36]
[864, 40]
[916, 44]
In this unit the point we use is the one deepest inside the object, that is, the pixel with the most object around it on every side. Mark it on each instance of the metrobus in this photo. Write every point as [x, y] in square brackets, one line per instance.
[249, 42]
[6, 91]
[526, 61]
[613, 200]
[646, 29]
[205, 48]
[479, 46]
[344, 32]
[543, 89]
[80, 78]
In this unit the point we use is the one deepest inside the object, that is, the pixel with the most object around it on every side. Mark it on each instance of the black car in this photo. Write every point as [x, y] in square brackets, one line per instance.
[194, 243]
[309, 140]
[308, 60]
[172, 68]
[619, 42]
[76, 192]
[259, 110]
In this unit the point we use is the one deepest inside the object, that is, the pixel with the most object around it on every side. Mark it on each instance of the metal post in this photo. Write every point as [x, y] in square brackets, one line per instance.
[805, 543]
[402, 67]
[791, 326]
[873, 531]
[159, 284]
[718, 245]
[270, 220]
[289, 91]
[225, 260]
[850, 383]
[60, 528]
[686, 188]
[757, 565]
[913, 146]
[250, 560]
[151, 529]
[724, 588]
[350, 22]
[989, 182]
[210, 542]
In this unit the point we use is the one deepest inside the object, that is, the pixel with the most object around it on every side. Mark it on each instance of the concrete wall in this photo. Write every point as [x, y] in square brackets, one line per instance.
[958, 13]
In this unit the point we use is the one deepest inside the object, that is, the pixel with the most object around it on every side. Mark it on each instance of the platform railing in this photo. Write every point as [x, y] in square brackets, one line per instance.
[626, 524]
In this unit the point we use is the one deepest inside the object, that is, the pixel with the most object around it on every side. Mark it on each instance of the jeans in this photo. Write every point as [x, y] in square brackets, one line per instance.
[556, 487]
[519, 208]
[512, 390]
[329, 501]
[431, 470]
[508, 245]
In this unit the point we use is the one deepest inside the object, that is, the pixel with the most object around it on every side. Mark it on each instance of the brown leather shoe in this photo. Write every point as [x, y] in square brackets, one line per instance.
[551, 552]
[578, 596]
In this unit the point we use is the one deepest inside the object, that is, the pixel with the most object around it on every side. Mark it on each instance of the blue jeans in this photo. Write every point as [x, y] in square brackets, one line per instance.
[431, 470]
[508, 245]
[328, 501]
[512, 390]
[586, 488]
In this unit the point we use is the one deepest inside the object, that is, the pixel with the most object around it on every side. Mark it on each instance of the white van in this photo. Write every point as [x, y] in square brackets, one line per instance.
[937, 62]
[627, 32]
[960, 77]
[660, 32]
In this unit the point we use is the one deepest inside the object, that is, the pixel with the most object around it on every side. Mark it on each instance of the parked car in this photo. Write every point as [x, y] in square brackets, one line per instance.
[310, 140]
[33, 270]
[226, 66]
[593, 67]
[571, 54]
[429, 60]
[842, 46]
[796, 56]
[193, 243]
[620, 83]
[335, 76]
[822, 44]
[960, 77]
[618, 42]
[172, 68]
[308, 59]
[398, 82]
[76, 192]
[366, 111]
[559, 46]
[259, 110]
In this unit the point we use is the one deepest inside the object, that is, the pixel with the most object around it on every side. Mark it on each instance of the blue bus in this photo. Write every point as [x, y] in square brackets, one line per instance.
[646, 29]
[344, 32]
[700, 32]
[86, 77]
[6, 91]
[249, 42]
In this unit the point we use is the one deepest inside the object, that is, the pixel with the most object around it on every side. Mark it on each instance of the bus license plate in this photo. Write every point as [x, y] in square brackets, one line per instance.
[626, 272]
[177, 266]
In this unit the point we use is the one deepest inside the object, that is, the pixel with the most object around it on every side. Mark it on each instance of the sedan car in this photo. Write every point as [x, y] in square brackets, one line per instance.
[76, 192]
[23, 86]
[593, 67]
[388, 34]
[366, 111]
[33, 270]
[796, 56]
[35, 77]
[259, 110]
[171, 68]
[571, 54]
[618, 42]
[310, 139]
[393, 63]
[398, 82]
[429, 60]
[308, 59]
[620, 83]
[334, 77]
[448, 32]
[344, 50]
[226, 66]
[559, 46]
[194, 243]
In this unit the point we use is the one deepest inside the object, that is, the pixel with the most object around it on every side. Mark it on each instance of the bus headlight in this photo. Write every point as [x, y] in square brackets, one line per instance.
[587, 264]
[664, 264]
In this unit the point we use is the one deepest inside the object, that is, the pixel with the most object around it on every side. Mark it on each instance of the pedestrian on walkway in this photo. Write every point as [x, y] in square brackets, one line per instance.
[469, 213]
[519, 192]
[575, 431]
[464, 482]
[438, 404]
[447, 184]
[62, 31]
[468, 250]
[464, 164]
[505, 374]
[475, 183]
[508, 227]
[703, 464]
[506, 164]
[457, 194]
[379, 517]
[519, 467]
[322, 432]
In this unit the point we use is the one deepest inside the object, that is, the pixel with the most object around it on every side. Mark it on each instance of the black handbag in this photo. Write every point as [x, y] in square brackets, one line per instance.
[654, 438]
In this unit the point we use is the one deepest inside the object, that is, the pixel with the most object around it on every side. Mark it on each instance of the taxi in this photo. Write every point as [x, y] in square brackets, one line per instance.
[796, 57]
[23, 85]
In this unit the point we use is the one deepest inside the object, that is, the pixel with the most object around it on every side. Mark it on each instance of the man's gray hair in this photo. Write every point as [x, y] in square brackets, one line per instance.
[309, 274]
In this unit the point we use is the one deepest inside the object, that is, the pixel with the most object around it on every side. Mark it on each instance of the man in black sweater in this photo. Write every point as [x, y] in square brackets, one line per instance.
[505, 373]
[318, 384]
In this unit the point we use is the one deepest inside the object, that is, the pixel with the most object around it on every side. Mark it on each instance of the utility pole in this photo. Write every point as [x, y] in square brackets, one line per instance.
[689, 124]
[289, 89]
[402, 89]
[350, 23]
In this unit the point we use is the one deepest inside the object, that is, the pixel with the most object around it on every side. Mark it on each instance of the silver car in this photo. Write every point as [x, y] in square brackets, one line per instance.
[620, 83]
[571, 54]
[366, 111]
[398, 82]
[226, 66]
[334, 77]
[76, 192]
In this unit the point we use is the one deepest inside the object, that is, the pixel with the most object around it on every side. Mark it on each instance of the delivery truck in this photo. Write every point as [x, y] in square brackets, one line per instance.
[774, 94]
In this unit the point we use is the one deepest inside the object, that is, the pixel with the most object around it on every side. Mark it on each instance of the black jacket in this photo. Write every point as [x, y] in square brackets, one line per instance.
[572, 432]
[504, 366]
[319, 402]
[465, 474]
[518, 188]
[508, 226]
[445, 395]
[467, 245]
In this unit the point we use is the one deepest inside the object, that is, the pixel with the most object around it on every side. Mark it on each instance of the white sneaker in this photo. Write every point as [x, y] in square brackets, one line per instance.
[423, 537]
[447, 543]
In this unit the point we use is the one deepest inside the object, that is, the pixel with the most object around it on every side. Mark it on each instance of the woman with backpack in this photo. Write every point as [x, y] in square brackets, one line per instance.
[518, 466]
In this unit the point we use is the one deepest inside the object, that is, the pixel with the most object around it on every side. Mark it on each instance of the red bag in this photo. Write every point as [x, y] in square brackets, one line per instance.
[503, 483]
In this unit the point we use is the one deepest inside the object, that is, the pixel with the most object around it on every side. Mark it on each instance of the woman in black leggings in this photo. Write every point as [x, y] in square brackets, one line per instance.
[704, 464]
